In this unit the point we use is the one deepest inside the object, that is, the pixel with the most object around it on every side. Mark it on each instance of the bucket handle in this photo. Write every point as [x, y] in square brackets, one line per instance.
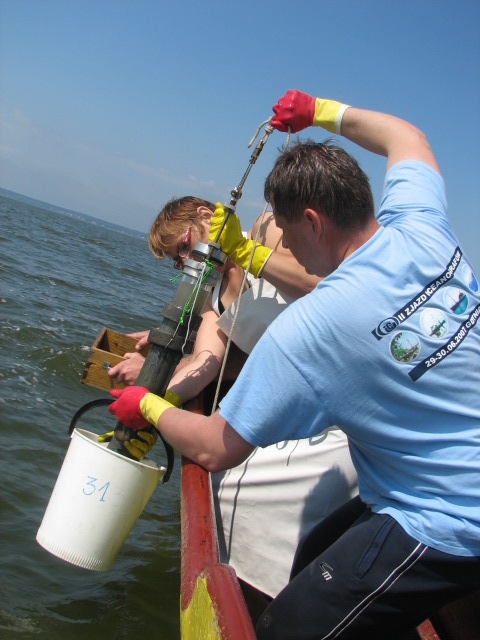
[99, 402]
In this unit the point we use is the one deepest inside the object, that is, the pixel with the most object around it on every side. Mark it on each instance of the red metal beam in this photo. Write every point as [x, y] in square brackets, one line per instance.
[200, 557]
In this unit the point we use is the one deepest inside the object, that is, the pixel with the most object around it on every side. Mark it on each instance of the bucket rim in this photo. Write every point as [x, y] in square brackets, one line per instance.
[145, 463]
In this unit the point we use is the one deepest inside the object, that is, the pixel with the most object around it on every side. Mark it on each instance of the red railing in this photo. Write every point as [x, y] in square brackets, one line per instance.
[225, 608]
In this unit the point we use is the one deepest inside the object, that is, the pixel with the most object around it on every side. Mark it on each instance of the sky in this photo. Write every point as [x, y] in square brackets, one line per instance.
[112, 107]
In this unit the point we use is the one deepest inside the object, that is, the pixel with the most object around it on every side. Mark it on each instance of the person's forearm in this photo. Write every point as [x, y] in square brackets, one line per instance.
[208, 441]
[386, 135]
[192, 378]
[284, 272]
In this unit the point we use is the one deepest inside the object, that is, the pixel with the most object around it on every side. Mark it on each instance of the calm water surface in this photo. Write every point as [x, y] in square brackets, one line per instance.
[62, 279]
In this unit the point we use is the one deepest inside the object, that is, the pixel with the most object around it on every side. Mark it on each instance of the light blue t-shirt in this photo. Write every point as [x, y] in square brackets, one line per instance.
[387, 347]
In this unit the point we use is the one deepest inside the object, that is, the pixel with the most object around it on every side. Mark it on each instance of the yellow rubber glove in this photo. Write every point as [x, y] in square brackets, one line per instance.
[297, 110]
[142, 444]
[106, 437]
[234, 244]
[144, 441]
[329, 114]
[135, 446]
[152, 407]
[135, 407]
[173, 398]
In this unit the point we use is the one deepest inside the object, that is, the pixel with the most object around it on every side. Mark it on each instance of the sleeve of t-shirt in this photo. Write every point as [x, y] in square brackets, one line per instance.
[271, 400]
[412, 188]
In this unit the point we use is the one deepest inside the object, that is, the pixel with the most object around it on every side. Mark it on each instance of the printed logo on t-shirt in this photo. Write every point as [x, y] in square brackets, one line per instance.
[405, 346]
[469, 277]
[448, 347]
[456, 300]
[387, 326]
[433, 322]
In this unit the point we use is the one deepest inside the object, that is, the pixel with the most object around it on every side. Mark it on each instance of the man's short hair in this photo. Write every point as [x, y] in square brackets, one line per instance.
[323, 177]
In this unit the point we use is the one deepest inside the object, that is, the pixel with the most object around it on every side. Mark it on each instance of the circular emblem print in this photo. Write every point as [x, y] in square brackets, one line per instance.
[405, 346]
[433, 323]
[387, 326]
[455, 299]
[470, 277]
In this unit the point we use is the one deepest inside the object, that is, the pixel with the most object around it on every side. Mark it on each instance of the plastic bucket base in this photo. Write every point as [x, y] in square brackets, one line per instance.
[98, 497]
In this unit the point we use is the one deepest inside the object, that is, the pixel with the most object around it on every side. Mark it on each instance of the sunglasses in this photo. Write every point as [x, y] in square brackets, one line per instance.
[183, 249]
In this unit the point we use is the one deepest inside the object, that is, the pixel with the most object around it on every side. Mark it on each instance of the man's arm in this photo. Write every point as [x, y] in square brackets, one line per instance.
[272, 261]
[209, 441]
[387, 136]
[377, 132]
[285, 273]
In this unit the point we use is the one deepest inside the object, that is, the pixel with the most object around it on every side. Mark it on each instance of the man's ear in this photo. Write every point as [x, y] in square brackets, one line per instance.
[315, 222]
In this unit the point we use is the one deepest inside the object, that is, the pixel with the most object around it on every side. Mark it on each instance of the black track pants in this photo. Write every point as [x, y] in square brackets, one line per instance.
[359, 575]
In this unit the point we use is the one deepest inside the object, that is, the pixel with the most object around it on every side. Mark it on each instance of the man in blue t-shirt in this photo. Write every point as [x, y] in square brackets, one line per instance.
[387, 347]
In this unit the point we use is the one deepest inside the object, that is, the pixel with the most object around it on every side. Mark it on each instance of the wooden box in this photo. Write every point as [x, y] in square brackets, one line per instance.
[107, 350]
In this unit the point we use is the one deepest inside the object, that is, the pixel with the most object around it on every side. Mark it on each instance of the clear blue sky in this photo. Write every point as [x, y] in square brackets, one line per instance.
[111, 107]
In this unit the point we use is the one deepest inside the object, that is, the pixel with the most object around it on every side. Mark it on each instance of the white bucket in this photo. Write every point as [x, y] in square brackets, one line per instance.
[97, 499]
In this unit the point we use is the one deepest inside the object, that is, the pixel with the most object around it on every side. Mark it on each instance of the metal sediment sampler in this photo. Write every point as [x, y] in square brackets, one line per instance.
[181, 317]
[169, 343]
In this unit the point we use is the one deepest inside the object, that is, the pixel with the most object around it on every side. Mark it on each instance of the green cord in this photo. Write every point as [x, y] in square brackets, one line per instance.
[196, 288]
[175, 278]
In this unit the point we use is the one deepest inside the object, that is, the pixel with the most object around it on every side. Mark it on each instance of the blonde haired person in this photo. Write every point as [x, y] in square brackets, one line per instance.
[266, 504]
[180, 224]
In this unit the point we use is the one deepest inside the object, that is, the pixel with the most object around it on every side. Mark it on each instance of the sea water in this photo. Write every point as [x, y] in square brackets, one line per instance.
[63, 278]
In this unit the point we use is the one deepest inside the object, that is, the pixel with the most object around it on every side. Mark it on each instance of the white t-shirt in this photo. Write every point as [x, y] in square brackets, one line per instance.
[260, 304]
[266, 504]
